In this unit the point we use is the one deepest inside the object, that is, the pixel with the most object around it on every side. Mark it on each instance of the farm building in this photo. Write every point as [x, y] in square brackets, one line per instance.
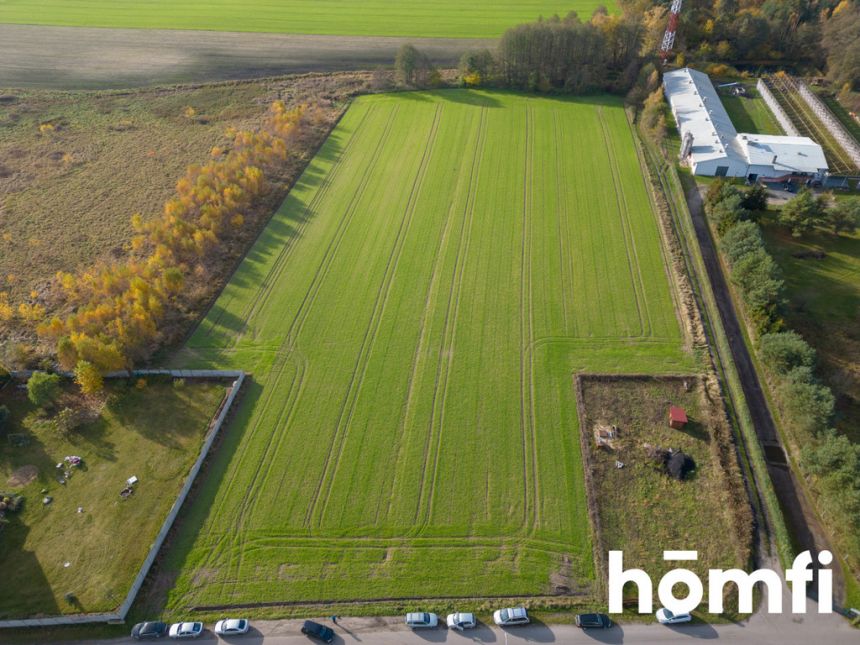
[712, 147]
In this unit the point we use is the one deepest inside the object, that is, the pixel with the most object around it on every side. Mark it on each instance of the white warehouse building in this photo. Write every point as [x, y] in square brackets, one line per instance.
[712, 147]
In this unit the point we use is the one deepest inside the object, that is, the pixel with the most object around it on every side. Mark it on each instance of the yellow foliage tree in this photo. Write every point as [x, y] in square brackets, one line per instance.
[88, 378]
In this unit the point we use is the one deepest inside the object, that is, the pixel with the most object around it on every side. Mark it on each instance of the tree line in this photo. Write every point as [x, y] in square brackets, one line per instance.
[609, 53]
[112, 315]
[808, 405]
[565, 54]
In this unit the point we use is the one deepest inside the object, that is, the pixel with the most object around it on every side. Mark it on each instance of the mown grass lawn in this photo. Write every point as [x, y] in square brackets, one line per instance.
[47, 551]
[429, 19]
[750, 113]
[413, 316]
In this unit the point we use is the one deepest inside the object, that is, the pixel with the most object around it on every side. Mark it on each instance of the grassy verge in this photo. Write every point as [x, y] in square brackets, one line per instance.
[89, 541]
[763, 497]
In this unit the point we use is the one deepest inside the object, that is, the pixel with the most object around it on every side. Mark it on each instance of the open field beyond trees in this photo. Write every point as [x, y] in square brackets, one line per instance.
[435, 18]
[413, 322]
[75, 166]
[52, 550]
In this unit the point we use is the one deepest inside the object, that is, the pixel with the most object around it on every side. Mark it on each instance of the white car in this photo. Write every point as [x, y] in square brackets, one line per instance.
[666, 617]
[232, 626]
[460, 621]
[420, 619]
[511, 616]
[185, 630]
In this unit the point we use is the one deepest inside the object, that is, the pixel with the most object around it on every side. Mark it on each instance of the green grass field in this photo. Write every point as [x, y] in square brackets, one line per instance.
[95, 554]
[413, 315]
[750, 114]
[434, 18]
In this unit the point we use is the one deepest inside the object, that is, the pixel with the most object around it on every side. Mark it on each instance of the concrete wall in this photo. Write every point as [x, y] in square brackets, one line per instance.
[214, 429]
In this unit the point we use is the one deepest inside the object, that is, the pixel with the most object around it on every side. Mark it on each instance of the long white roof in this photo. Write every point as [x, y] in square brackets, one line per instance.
[698, 110]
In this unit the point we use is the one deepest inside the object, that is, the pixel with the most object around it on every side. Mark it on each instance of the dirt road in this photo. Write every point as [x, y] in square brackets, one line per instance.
[799, 515]
[86, 58]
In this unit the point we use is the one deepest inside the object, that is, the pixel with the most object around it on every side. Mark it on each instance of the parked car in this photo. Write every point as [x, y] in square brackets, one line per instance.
[666, 617]
[419, 619]
[149, 630]
[232, 626]
[186, 630]
[460, 621]
[511, 616]
[593, 621]
[317, 631]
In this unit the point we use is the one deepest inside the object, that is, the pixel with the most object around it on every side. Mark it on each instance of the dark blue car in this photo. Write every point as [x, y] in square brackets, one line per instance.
[320, 632]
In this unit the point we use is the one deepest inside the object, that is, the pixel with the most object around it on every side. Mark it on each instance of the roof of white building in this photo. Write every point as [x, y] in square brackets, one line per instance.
[698, 109]
[792, 154]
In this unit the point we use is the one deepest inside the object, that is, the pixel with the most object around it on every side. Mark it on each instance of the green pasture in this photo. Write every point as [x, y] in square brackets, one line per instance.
[413, 316]
[408, 18]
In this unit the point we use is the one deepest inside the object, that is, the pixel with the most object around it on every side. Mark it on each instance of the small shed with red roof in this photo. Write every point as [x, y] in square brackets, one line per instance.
[677, 417]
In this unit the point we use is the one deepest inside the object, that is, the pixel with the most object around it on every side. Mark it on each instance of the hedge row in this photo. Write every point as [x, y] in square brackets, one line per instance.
[830, 459]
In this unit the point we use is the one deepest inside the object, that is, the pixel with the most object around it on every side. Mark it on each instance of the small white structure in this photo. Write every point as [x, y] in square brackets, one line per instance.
[711, 145]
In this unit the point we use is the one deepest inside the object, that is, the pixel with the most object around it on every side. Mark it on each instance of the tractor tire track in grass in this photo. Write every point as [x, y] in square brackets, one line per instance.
[321, 193]
[289, 345]
[284, 349]
[347, 410]
[225, 537]
[267, 284]
[632, 262]
[275, 439]
[403, 433]
[649, 331]
[331, 251]
[527, 414]
[446, 347]
[290, 340]
[562, 219]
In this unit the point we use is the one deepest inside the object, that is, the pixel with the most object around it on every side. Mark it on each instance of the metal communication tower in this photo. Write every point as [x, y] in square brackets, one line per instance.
[671, 28]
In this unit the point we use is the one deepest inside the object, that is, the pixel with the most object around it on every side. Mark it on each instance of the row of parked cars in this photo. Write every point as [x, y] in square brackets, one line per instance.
[459, 620]
[507, 617]
[152, 630]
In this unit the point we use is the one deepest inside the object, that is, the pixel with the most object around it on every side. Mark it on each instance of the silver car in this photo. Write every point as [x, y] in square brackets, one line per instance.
[460, 621]
[511, 616]
[185, 630]
[232, 626]
[420, 619]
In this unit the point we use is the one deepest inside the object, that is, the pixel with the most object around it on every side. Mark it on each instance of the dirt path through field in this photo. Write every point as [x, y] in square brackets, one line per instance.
[799, 514]
[87, 58]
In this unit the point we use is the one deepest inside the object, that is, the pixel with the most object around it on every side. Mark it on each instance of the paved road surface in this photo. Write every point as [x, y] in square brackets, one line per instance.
[760, 630]
[89, 58]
